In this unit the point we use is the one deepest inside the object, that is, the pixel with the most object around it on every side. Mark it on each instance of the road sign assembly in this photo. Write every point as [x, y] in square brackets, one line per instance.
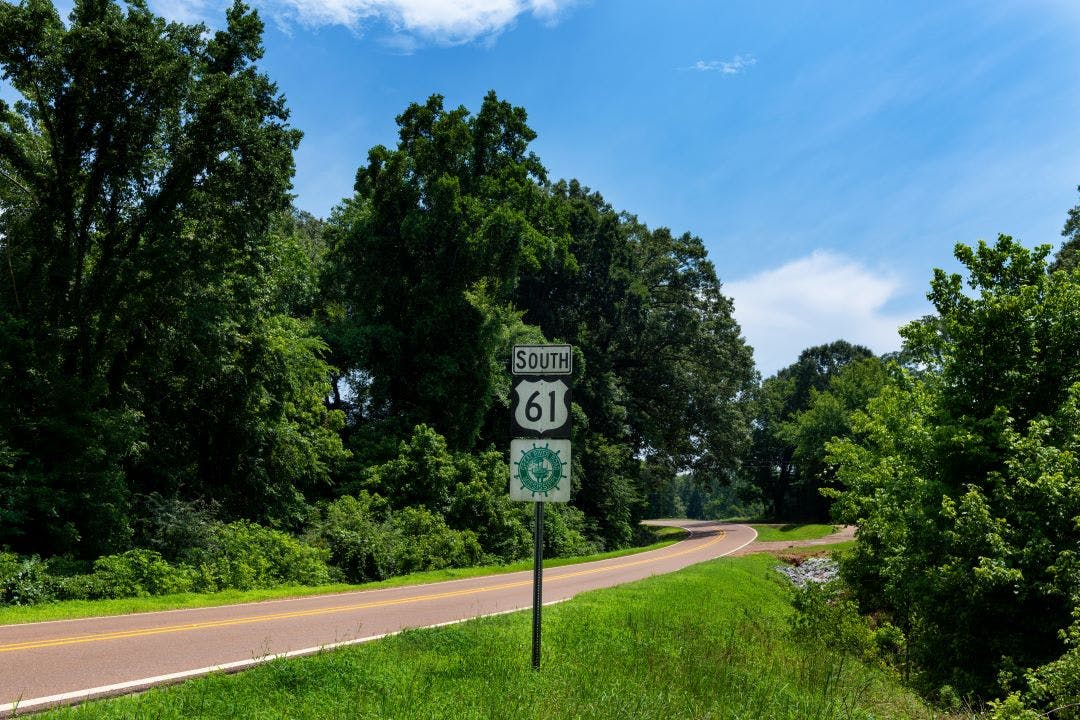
[540, 445]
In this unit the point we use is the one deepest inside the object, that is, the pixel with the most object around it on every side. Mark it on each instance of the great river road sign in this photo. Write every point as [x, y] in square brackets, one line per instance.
[540, 470]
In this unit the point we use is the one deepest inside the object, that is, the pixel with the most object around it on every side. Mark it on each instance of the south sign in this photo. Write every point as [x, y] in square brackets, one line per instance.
[542, 360]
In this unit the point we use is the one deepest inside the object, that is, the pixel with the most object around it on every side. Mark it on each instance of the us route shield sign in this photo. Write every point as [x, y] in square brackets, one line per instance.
[540, 407]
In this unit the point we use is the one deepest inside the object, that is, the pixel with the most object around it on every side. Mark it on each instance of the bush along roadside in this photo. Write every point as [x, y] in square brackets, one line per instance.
[386, 527]
[353, 539]
[246, 556]
[827, 616]
[240, 555]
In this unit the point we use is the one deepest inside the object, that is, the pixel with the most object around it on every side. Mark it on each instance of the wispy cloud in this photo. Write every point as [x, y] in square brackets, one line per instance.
[734, 66]
[434, 21]
[815, 300]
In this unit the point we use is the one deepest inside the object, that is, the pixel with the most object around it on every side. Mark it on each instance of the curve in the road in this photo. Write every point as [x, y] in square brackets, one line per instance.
[44, 664]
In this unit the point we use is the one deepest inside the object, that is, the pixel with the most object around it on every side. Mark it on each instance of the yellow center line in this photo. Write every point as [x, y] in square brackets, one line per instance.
[123, 634]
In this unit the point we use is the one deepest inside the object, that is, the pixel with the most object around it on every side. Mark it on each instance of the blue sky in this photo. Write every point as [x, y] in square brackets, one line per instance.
[829, 154]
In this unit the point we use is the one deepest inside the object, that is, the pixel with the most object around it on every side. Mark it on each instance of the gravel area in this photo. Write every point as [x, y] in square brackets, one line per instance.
[816, 570]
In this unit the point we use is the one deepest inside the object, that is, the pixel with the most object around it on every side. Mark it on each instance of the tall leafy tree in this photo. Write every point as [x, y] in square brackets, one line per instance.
[963, 480]
[236, 405]
[666, 366]
[828, 416]
[428, 253]
[789, 486]
[139, 175]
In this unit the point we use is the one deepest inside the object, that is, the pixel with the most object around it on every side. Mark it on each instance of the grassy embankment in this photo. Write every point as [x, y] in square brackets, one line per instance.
[71, 609]
[792, 532]
[711, 641]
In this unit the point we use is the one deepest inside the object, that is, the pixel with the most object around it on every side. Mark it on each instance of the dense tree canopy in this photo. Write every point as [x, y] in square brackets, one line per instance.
[666, 368]
[963, 480]
[828, 416]
[430, 249]
[168, 321]
[140, 174]
[455, 246]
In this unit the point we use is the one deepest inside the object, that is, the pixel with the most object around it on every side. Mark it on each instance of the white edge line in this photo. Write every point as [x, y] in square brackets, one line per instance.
[729, 552]
[147, 683]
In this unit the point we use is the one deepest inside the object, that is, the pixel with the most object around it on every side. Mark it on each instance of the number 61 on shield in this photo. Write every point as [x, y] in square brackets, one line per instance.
[540, 408]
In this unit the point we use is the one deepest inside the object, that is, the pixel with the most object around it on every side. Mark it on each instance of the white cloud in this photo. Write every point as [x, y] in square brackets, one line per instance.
[734, 66]
[812, 301]
[439, 21]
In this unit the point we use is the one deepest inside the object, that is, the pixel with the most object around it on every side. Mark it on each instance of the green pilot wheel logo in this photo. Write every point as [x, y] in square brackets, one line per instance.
[539, 470]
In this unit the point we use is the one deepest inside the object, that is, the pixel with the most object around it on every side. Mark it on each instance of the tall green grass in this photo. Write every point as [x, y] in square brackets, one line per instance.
[711, 641]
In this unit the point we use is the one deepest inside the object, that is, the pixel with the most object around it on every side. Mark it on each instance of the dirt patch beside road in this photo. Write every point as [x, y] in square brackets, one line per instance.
[844, 534]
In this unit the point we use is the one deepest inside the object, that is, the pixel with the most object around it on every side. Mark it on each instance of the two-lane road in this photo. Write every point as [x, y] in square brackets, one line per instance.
[51, 663]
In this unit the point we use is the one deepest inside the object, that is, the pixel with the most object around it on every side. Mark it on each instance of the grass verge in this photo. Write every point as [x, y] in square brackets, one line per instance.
[780, 533]
[711, 641]
[72, 609]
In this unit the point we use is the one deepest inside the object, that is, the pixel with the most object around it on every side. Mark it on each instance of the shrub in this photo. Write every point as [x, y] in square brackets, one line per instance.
[86, 586]
[25, 581]
[173, 526]
[1053, 688]
[367, 541]
[480, 502]
[243, 555]
[135, 573]
[1012, 708]
[423, 473]
[351, 529]
[239, 555]
[9, 565]
[564, 532]
[423, 541]
[824, 617]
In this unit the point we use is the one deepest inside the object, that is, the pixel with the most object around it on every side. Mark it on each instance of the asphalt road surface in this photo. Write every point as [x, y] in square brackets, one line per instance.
[64, 662]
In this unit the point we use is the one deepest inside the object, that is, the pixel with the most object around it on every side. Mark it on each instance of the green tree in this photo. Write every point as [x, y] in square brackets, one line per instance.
[963, 480]
[828, 416]
[140, 174]
[235, 401]
[427, 254]
[787, 487]
[665, 364]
